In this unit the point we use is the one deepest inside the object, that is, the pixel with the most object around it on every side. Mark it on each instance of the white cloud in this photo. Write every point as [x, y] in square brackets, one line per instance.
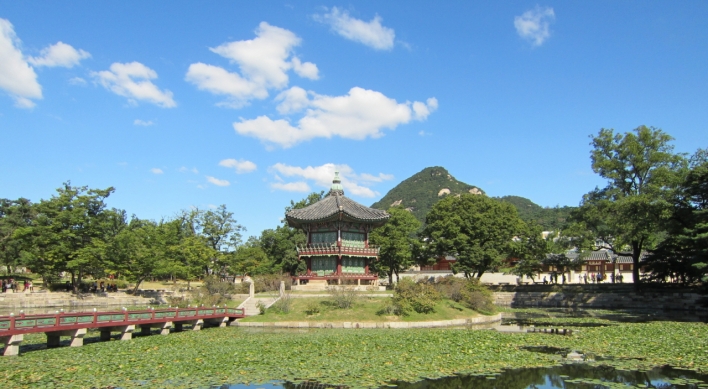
[59, 54]
[371, 33]
[185, 169]
[132, 80]
[299, 186]
[263, 64]
[17, 77]
[144, 123]
[356, 184]
[360, 114]
[292, 100]
[77, 81]
[241, 166]
[305, 70]
[217, 181]
[156, 170]
[533, 25]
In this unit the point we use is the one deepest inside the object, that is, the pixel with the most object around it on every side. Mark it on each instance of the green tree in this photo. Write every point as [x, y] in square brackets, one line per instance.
[219, 230]
[475, 229]
[626, 216]
[683, 255]
[14, 215]
[280, 243]
[250, 259]
[70, 231]
[397, 241]
[530, 248]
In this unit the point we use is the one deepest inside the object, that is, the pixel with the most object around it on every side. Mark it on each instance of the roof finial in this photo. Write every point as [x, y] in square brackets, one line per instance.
[337, 184]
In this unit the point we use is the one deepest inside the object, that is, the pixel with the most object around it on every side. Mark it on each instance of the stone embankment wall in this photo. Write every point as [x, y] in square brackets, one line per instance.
[65, 299]
[627, 300]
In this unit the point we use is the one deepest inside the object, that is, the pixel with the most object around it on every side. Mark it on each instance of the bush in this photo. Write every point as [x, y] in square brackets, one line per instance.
[312, 308]
[420, 297]
[270, 282]
[213, 292]
[343, 297]
[469, 292]
[284, 303]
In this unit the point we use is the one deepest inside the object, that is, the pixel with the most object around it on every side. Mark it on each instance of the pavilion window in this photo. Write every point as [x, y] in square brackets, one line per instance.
[324, 237]
[353, 239]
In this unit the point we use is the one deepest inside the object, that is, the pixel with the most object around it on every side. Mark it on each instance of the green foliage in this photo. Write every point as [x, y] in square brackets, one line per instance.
[627, 215]
[343, 297]
[420, 192]
[14, 215]
[475, 229]
[280, 243]
[469, 292]
[397, 241]
[549, 219]
[284, 303]
[683, 255]
[249, 259]
[313, 308]
[361, 358]
[270, 282]
[409, 295]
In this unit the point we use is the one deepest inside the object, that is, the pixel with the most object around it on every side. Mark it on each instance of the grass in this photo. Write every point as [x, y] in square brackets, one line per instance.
[366, 309]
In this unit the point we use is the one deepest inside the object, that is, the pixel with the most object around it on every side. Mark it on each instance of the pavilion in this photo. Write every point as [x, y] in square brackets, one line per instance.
[337, 249]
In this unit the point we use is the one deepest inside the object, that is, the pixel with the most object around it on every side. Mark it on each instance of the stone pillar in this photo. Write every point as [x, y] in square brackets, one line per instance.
[251, 290]
[12, 344]
[126, 332]
[77, 337]
[282, 288]
[165, 328]
[197, 325]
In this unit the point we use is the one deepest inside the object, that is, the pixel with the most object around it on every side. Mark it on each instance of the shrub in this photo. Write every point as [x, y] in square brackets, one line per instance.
[284, 303]
[270, 282]
[470, 292]
[213, 291]
[343, 297]
[261, 307]
[420, 297]
[312, 308]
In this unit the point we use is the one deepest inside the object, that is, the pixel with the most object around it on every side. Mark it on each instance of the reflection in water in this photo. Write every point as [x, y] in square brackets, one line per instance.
[568, 376]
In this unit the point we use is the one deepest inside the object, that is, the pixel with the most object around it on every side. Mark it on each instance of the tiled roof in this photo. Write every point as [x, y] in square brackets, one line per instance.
[332, 205]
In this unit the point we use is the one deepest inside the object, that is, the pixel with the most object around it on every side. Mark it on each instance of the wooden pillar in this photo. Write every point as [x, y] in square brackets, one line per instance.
[366, 266]
[339, 265]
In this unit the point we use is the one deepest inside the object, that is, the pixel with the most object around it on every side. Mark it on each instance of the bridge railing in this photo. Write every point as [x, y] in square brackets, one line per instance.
[29, 323]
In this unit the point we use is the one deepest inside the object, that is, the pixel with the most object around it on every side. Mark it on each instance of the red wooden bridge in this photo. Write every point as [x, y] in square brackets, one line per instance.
[76, 324]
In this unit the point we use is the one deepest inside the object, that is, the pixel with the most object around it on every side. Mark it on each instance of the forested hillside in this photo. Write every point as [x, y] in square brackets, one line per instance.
[549, 218]
[419, 192]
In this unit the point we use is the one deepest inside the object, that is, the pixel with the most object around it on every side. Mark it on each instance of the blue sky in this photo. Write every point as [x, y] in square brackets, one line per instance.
[251, 104]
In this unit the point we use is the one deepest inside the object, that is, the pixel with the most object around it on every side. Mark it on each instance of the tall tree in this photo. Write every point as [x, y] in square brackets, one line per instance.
[398, 242]
[280, 243]
[683, 255]
[642, 171]
[219, 230]
[70, 231]
[475, 229]
[14, 215]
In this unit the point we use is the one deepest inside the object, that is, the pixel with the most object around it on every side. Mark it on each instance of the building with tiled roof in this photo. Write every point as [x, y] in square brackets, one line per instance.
[337, 229]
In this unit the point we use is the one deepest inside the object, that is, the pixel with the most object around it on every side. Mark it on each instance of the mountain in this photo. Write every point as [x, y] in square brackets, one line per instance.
[419, 192]
[549, 218]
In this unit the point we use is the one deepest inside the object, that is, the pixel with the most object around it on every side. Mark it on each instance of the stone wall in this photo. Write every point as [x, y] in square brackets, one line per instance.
[627, 300]
[65, 299]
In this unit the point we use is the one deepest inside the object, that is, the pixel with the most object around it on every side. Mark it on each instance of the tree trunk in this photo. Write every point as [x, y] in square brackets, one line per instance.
[636, 254]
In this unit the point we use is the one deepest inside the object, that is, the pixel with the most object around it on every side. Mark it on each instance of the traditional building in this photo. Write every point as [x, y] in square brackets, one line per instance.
[337, 231]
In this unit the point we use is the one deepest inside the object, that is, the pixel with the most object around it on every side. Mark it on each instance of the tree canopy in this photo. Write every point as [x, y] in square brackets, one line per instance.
[397, 241]
[475, 229]
[642, 172]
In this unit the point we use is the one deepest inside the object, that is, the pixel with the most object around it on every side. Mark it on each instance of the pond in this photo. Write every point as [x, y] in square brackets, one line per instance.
[567, 376]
